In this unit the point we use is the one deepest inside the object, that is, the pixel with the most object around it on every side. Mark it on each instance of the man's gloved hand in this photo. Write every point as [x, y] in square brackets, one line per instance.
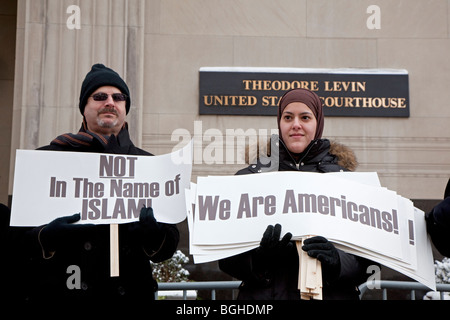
[58, 232]
[271, 249]
[147, 231]
[324, 251]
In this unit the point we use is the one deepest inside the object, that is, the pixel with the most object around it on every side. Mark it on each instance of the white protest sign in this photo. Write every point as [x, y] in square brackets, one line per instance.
[360, 217]
[207, 253]
[303, 203]
[103, 188]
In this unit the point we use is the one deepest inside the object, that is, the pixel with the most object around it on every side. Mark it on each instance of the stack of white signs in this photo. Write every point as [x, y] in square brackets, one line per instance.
[227, 215]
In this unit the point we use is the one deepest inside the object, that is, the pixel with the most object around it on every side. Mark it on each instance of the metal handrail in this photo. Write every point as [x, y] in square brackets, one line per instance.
[363, 288]
[201, 285]
[402, 285]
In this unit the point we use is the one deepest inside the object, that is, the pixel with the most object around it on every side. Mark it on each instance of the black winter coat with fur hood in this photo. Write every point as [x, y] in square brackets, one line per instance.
[281, 282]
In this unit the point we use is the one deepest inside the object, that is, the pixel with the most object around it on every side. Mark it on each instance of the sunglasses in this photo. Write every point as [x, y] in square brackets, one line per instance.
[101, 96]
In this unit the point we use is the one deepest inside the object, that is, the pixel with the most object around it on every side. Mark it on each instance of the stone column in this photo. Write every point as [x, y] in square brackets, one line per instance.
[53, 57]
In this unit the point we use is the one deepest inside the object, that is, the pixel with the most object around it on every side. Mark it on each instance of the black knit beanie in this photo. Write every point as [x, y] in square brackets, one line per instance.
[100, 76]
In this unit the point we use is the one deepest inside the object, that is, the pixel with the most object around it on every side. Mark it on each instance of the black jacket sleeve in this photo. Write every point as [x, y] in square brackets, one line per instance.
[240, 267]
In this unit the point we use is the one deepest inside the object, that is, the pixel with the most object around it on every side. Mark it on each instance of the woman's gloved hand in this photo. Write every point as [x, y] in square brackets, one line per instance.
[272, 250]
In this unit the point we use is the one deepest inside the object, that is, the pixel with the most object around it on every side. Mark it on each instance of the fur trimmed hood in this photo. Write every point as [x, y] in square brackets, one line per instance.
[346, 156]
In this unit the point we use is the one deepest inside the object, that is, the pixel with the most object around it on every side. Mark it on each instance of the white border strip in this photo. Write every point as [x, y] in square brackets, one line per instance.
[303, 70]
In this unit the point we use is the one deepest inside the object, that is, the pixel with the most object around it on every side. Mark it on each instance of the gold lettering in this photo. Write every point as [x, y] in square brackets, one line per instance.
[229, 100]
[361, 86]
[279, 85]
[348, 102]
[376, 102]
[207, 100]
[218, 100]
[367, 102]
[337, 103]
[246, 84]
[353, 86]
[276, 85]
[394, 103]
[364, 102]
[386, 105]
[270, 101]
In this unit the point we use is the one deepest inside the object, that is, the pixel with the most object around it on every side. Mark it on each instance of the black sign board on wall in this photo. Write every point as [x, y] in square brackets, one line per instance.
[344, 92]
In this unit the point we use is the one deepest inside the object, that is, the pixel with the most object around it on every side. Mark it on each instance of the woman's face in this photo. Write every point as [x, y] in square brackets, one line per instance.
[298, 126]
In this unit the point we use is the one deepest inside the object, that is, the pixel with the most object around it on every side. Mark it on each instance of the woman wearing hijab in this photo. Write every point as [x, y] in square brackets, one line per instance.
[271, 270]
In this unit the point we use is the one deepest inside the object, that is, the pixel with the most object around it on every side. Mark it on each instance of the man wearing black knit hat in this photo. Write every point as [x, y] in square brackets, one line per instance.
[51, 249]
[104, 100]
[102, 76]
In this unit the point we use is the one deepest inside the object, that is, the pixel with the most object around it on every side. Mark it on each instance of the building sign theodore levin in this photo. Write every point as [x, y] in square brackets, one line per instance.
[344, 92]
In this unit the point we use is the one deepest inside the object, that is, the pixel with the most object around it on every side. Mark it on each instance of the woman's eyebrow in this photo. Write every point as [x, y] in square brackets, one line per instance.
[304, 112]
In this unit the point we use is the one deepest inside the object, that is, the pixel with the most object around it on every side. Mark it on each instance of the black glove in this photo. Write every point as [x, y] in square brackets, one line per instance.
[438, 226]
[324, 251]
[60, 231]
[148, 232]
[271, 249]
[441, 213]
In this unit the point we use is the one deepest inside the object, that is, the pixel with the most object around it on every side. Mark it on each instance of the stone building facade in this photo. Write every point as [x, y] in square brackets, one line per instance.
[159, 46]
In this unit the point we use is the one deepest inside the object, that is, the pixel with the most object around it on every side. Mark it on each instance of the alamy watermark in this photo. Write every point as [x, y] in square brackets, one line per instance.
[373, 281]
[74, 280]
[374, 20]
[73, 21]
[213, 146]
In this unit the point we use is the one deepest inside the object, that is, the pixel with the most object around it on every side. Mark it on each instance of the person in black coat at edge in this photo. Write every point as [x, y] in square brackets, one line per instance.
[271, 270]
[438, 223]
[44, 253]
